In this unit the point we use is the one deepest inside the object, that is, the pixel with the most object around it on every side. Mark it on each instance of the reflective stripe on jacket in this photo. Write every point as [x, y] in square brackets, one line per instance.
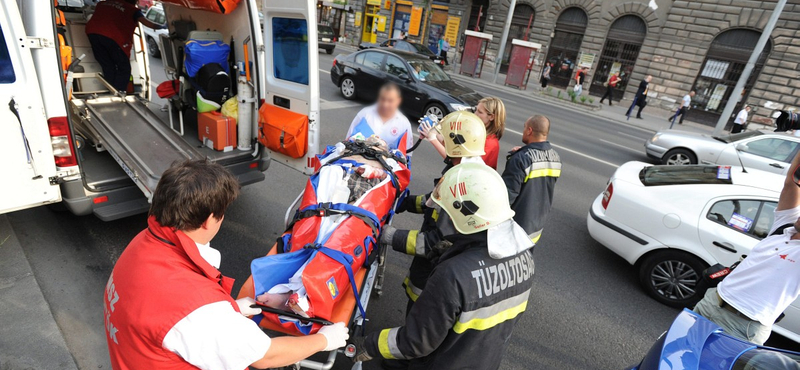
[467, 312]
[530, 176]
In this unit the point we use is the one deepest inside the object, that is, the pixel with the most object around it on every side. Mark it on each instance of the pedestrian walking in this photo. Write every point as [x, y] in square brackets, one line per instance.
[459, 321]
[580, 77]
[530, 177]
[640, 99]
[546, 74]
[444, 47]
[754, 295]
[686, 104]
[740, 120]
[166, 305]
[403, 35]
[610, 85]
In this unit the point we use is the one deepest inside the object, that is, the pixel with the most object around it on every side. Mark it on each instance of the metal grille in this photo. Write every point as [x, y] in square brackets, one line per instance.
[617, 57]
[566, 45]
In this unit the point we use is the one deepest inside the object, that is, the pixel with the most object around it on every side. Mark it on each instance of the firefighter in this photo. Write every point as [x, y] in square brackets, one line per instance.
[464, 135]
[530, 175]
[479, 286]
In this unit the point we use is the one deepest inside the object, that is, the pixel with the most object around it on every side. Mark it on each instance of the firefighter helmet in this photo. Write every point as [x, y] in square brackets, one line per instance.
[474, 196]
[464, 134]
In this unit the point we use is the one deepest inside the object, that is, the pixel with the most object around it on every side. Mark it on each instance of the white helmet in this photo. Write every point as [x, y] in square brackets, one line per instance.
[474, 196]
[464, 134]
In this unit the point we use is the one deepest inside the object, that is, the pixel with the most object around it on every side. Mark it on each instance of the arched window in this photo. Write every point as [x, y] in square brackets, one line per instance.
[722, 68]
[624, 40]
[478, 15]
[522, 21]
[566, 45]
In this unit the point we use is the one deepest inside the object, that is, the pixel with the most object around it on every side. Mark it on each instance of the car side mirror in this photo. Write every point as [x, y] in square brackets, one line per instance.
[742, 147]
[405, 77]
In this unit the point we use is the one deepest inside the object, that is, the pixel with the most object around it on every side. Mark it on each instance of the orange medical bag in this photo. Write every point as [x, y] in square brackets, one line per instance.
[283, 131]
[217, 131]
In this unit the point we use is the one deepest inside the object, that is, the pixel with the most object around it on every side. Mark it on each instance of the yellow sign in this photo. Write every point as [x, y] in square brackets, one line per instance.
[374, 2]
[451, 32]
[387, 4]
[358, 19]
[380, 23]
[416, 20]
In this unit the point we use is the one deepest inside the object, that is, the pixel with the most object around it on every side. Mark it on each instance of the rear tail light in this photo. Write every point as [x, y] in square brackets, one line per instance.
[334, 39]
[607, 195]
[334, 62]
[61, 139]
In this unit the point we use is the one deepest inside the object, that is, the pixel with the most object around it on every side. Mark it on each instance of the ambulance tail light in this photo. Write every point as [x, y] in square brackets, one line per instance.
[607, 195]
[61, 140]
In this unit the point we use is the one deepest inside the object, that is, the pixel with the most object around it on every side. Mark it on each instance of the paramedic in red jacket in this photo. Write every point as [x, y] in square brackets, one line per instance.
[166, 304]
[110, 31]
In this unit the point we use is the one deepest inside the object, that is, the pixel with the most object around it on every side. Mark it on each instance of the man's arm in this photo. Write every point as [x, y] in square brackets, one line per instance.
[514, 177]
[790, 195]
[355, 122]
[143, 20]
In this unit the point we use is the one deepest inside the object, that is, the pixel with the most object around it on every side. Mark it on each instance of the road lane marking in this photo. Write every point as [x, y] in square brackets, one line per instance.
[338, 104]
[621, 146]
[629, 135]
[324, 71]
[573, 151]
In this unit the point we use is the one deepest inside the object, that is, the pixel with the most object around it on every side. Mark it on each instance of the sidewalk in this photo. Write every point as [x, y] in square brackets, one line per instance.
[31, 338]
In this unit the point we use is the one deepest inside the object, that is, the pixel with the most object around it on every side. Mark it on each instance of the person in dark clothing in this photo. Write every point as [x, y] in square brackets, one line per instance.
[611, 84]
[479, 286]
[530, 176]
[546, 74]
[640, 99]
[110, 32]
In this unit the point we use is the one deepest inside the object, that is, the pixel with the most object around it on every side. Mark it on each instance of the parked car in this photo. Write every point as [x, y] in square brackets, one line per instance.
[326, 39]
[427, 89]
[695, 343]
[403, 45]
[672, 222]
[762, 150]
[153, 36]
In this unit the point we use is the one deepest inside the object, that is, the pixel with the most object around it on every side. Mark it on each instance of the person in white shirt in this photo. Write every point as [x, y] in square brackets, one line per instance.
[384, 119]
[686, 104]
[749, 301]
[740, 120]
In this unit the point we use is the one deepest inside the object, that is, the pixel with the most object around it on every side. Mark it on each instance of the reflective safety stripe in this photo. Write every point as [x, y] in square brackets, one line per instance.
[535, 236]
[418, 203]
[435, 215]
[412, 291]
[544, 172]
[489, 317]
[411, 242]
[387, 344]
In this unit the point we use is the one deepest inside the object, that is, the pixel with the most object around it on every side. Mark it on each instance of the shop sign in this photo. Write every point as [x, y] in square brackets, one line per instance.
[416, 20]
[451, 32]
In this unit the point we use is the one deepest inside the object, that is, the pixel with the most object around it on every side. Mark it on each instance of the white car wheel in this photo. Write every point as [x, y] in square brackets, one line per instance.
[348, 88]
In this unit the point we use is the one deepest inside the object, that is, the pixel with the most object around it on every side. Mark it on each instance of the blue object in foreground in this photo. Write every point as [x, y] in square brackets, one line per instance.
[694, 343]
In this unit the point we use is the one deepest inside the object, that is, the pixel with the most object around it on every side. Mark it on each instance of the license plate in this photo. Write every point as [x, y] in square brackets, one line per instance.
[325, 39]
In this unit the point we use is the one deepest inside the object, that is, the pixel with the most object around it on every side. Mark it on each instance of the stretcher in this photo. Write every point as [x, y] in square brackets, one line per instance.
[309, 235]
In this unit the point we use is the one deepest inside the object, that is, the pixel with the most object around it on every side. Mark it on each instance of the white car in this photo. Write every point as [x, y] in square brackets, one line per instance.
[152, 36]
[673, 222]
[761, 150]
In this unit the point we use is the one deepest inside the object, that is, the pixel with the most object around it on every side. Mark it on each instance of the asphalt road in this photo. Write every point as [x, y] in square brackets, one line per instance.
[586, 309]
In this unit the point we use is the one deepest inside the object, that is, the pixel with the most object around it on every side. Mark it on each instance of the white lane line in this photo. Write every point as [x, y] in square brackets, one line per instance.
[573, 151]
[621, 146]
[629, 135]
[324, 71]
[339, 104]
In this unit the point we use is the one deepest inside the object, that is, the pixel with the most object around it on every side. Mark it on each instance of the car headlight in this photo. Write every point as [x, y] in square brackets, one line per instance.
[459, 106]
[655, 137]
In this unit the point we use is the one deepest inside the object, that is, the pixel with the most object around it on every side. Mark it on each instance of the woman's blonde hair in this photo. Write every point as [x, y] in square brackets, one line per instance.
[496, 108]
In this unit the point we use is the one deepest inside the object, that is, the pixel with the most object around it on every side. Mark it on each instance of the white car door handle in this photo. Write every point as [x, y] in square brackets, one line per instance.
[776, 165]
[726, 246]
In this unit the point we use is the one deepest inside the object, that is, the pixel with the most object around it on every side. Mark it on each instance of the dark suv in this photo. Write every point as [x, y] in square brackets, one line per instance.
[325, 38]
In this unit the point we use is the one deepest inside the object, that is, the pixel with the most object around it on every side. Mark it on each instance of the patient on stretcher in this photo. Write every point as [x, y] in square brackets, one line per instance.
[347, 183]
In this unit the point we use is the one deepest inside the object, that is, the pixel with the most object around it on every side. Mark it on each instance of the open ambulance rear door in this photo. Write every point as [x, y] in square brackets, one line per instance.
[28, 173]
[289, 125]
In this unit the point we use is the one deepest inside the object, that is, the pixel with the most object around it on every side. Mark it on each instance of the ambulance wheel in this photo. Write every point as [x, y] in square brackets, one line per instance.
[152, 48]
[348, 88]
[672, 277]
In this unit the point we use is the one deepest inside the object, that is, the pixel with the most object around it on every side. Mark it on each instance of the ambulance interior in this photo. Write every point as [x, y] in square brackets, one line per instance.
[142, 137]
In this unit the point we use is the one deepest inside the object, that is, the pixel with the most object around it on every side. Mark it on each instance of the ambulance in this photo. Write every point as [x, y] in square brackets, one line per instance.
[69, 139]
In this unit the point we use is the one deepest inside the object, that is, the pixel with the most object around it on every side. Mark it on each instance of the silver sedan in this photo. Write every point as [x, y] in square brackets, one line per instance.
[763, 150]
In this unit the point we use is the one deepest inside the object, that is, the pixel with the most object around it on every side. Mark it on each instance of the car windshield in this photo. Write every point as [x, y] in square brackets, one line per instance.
[325, 31]
[685, 175]
[736, 137]
[764, 359]
[425, 70]
[422, 49]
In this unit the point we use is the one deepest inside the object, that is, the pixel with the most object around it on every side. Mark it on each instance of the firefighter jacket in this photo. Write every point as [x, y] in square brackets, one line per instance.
[465, 316]
[530, 176]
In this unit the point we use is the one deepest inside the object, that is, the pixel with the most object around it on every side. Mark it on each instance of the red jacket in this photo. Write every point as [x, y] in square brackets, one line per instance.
[492, 149]
[158, 280]
[115, 19]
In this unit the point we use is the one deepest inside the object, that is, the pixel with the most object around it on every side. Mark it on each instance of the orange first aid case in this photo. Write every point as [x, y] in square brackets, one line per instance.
[283, 131]
[216, 131]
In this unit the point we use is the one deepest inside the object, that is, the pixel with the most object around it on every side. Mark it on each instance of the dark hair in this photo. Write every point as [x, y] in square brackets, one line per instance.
[390, 86]
[191, 191]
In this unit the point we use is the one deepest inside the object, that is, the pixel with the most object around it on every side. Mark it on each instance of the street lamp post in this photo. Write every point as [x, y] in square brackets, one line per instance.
[748, 69]
[506, 28]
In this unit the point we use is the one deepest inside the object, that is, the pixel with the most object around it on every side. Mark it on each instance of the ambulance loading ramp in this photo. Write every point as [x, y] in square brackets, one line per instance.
[137, 139]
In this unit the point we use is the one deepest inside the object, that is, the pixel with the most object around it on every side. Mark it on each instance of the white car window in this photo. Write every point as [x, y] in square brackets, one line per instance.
[772, 148]
[752, 217]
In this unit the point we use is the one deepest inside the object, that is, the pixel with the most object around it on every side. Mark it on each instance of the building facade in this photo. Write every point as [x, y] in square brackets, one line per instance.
[684, 45]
